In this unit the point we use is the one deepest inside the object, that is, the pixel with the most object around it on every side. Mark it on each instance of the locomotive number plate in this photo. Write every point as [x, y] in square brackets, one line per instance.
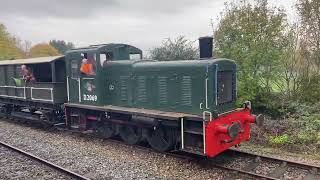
[87, 97]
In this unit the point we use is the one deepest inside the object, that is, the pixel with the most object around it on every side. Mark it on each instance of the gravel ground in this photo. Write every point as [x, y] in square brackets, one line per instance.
[17, 166]
[102, 159]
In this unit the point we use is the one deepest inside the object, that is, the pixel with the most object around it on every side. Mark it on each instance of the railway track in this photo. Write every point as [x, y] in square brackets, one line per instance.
[280, 168]
[253, 161]
[43, 161]
[248, 168]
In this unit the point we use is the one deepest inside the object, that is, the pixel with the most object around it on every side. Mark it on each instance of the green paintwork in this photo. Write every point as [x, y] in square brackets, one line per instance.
[175, 86]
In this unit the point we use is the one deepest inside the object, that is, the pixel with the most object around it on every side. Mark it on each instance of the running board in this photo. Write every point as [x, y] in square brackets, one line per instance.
[29, 117]
[60, 124]
[25, 116]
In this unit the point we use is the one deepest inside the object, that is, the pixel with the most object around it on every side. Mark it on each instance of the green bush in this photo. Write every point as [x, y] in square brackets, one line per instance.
[318, 139]
[305, 137]
[279, 140]
[268, 103]
[300, 128]
[310, 89]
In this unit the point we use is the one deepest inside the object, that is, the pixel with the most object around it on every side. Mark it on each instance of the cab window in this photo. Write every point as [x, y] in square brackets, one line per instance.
[74, 69]
[135, 57]
[105, 58]
[88, 64]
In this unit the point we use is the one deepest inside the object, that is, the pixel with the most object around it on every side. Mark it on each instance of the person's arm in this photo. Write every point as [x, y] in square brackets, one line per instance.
[32, 78]
[29, 76]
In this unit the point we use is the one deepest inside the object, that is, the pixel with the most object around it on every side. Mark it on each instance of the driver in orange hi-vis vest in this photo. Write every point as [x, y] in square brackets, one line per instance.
[86, 67]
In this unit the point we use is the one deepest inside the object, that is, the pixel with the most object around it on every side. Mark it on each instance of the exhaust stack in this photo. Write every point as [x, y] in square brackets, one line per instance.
[206, 47]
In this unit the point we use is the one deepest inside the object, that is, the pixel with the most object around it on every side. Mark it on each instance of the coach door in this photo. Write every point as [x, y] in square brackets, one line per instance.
[73, 81]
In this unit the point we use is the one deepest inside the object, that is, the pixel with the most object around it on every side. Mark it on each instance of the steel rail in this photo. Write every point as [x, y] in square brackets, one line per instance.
[43, 161]
[270, 158]
[194, 157]
[289, 163]
[245, 172]
[197, 157]
[191, 157]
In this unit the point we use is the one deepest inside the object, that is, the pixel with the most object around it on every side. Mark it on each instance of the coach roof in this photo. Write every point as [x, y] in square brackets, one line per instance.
[31, 60]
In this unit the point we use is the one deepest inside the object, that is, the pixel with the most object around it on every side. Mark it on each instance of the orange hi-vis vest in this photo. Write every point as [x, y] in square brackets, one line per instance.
[86, 68]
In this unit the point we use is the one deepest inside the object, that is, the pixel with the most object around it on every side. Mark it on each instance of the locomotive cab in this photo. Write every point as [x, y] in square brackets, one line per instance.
[83, 88]
[88, 88]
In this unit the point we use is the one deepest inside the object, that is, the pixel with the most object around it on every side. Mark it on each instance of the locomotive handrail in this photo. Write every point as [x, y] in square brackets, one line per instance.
[204, 136]
[12, 96]
[41, 88]
[16, 87]
[68, 89]
[216, 84]
[204, 113]
[88, 78]
[79, 87]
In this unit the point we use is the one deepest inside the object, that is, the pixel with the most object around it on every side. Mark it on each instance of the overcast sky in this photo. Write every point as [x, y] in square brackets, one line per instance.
[143, 23]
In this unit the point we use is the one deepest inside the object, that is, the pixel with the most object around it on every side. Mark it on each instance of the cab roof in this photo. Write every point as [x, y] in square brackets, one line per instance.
[108, 47]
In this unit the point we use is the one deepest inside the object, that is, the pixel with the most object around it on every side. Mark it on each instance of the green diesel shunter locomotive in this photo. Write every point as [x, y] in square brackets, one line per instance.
[110, 90]
[172, 104]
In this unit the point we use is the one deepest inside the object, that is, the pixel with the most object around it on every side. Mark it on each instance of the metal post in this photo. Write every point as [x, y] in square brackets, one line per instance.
[204, 137]
[216, 83]
[68, 92]
[182, 134]
[51, 90]
[53, 71]
[207, 106]
[24, 92]
[79, 83]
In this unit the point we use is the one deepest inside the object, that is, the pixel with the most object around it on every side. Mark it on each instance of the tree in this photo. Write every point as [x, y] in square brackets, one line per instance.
[8, 45]
[177, 49]
[254, 35]
[292, 65]
[309, 11]
[41, 50]
[61, 45]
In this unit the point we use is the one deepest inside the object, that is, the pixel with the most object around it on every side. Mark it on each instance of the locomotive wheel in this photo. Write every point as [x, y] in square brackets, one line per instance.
[5, 111]
[107, 130]
[131, 134]
[162, 139]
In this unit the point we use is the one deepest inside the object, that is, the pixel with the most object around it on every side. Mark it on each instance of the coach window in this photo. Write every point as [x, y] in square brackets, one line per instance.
[105, 58]
[88, 64]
